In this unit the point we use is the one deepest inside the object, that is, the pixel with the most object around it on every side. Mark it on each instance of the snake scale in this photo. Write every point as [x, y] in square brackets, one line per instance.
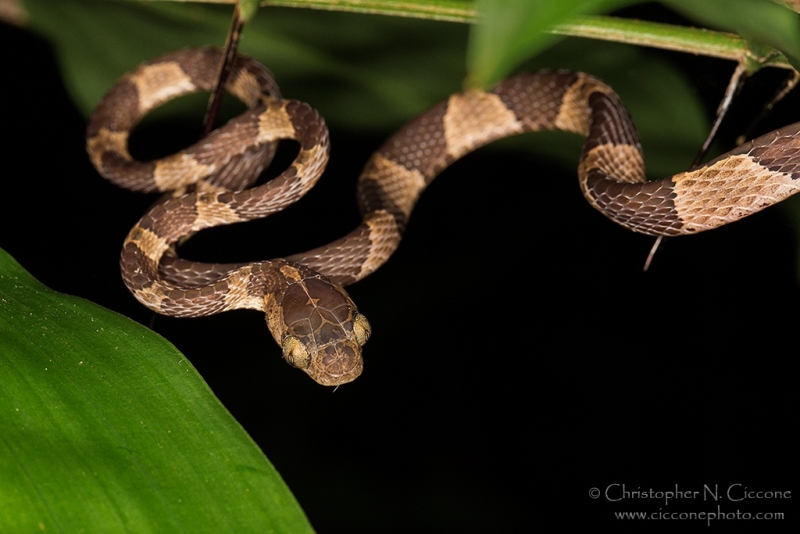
[308, 313]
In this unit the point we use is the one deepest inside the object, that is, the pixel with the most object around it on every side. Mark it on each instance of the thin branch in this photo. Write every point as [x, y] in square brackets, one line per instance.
[231, 46]
[788, 86]
[735, 83]
[446, 10]
[685, 39]
[653, 250]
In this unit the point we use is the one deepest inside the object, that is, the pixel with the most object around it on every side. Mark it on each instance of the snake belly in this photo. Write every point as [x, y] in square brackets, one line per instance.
[308, 312]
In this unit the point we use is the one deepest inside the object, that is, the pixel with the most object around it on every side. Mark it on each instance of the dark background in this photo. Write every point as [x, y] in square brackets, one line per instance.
[519, 356]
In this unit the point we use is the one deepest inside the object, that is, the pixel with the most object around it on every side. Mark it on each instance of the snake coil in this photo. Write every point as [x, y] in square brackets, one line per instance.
[308, 313]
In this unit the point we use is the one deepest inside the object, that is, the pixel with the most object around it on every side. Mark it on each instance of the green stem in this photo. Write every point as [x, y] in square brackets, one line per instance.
[445, 10]
[636, 32]
[678, 38]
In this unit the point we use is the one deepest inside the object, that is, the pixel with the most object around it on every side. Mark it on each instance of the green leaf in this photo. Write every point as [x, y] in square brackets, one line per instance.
[510, 31]
[760, 21]
[107, 427]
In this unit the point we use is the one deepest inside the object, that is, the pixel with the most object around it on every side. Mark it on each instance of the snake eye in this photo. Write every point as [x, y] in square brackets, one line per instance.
[295, 352]
[361, 329]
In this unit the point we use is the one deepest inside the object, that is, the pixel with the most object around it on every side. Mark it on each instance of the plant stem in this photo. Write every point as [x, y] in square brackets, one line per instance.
[231, 46]
[630, 31]
[678, 38]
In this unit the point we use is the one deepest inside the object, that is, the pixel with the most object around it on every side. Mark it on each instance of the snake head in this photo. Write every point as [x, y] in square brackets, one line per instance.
[318, 327]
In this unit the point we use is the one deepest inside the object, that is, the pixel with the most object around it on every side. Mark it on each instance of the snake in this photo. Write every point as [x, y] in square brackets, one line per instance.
[309, 314]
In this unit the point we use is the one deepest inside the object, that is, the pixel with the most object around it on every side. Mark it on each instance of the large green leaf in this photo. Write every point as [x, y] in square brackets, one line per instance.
[107, 427]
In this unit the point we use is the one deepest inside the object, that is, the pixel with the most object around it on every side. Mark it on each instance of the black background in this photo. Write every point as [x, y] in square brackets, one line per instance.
[519, 356]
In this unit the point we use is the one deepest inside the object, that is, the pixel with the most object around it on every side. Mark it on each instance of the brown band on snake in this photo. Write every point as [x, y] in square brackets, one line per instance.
[308, 312]
[224, 158]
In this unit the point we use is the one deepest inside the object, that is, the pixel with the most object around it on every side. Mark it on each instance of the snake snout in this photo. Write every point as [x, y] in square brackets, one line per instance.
[335, 364]
[340, 361]
[340, 364]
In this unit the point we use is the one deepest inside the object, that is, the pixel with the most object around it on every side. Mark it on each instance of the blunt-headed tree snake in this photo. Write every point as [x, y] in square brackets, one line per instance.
[308, 313]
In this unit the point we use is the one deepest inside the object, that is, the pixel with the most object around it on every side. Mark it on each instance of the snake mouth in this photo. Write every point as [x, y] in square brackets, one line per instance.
[332, 379]
[335, 381]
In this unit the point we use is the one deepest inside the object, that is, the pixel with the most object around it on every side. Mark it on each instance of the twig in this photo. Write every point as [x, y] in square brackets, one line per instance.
[224, 72]
[697, 41]
[735, 83]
